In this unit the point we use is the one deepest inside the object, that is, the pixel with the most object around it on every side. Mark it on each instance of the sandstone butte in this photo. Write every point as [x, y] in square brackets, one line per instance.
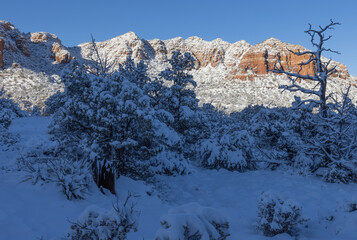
[240, 60]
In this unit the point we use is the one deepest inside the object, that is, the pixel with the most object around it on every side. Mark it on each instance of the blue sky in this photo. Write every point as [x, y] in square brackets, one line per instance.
[251, 20]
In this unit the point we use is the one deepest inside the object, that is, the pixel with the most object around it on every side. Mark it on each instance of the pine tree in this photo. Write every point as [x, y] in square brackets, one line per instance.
[180, 99]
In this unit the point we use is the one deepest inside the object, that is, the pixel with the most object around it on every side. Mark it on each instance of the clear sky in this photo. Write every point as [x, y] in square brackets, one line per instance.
[232, 20]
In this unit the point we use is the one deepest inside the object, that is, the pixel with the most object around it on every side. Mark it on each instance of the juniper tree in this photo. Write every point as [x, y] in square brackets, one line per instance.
[180, 99]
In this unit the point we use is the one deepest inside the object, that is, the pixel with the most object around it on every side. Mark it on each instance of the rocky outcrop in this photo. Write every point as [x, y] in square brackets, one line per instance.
[38, 37]
[13, 39]
[22, 45]
[255, 61]
[221, 68]
[2, 45]
[118, 49]
[241, 60]
[58, 52]
[159, 48]
[206, 53]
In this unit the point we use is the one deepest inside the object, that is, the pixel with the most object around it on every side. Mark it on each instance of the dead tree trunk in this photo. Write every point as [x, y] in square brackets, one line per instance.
[322, 70]
[104, 177]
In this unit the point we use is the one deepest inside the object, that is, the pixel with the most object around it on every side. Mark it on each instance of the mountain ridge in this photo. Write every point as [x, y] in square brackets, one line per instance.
[228, 63]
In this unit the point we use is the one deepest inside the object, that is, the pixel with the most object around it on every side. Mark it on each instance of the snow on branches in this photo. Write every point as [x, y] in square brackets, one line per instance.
[322, 70]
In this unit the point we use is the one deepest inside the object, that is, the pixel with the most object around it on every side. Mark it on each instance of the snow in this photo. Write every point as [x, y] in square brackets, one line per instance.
[39, 211]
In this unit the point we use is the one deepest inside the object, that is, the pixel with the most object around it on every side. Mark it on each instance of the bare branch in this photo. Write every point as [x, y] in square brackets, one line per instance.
[321, 69]
[298, 53]
[308, 61]
[329, 50]
[297, 75]
[102, 61]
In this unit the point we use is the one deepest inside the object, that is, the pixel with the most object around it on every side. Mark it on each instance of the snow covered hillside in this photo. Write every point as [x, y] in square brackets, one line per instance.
[41, 212]
[230, 76]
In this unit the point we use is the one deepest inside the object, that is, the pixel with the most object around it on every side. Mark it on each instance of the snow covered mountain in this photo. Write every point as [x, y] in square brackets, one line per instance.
[231, 76]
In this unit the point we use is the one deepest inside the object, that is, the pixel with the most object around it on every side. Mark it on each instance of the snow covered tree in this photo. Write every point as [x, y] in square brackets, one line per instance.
[230, 148]
[73, 119]
[180, 99]
[8, 111]
[278, 216]
[71, 122]
[322, 70]
[122, 130]
[335, 140]
[174, 97]
[110, 120]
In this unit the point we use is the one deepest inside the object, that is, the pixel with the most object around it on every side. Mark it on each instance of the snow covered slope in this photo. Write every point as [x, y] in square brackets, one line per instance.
[40, 212]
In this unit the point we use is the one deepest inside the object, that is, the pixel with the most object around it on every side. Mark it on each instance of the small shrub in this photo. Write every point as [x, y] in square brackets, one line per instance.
[73, 177]
[193, 222]
[229, 149]
[339, 173]
[98, 224]
[278, 216]
[8, 111]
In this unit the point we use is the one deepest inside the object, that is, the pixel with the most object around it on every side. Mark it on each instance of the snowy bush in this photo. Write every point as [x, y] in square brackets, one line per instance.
[99, 224]
[169, 163]
[341, 173]
[193, 222]
[8, 111]
[29, 87]
[35, 112]
[54, 102]
[73, 177]
[275, 136]
[278, 216]
[229, 148]
[115, 121]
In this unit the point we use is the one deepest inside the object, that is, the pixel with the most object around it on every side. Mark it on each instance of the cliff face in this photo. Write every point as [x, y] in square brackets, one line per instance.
[19, 47]
[229, 75]
[241, 60]
[253, 63]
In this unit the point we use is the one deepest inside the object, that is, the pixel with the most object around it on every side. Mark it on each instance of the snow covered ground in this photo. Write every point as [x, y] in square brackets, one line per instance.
[41, 212]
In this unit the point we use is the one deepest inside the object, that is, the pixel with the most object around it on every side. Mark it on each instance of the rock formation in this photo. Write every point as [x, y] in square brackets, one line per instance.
[253, 63]
[2, 45]
[228, 75]
[241, 60]
[59, 53]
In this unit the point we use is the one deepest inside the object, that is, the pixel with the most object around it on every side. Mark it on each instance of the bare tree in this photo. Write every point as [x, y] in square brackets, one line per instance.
[102, 63]
[322, 70]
